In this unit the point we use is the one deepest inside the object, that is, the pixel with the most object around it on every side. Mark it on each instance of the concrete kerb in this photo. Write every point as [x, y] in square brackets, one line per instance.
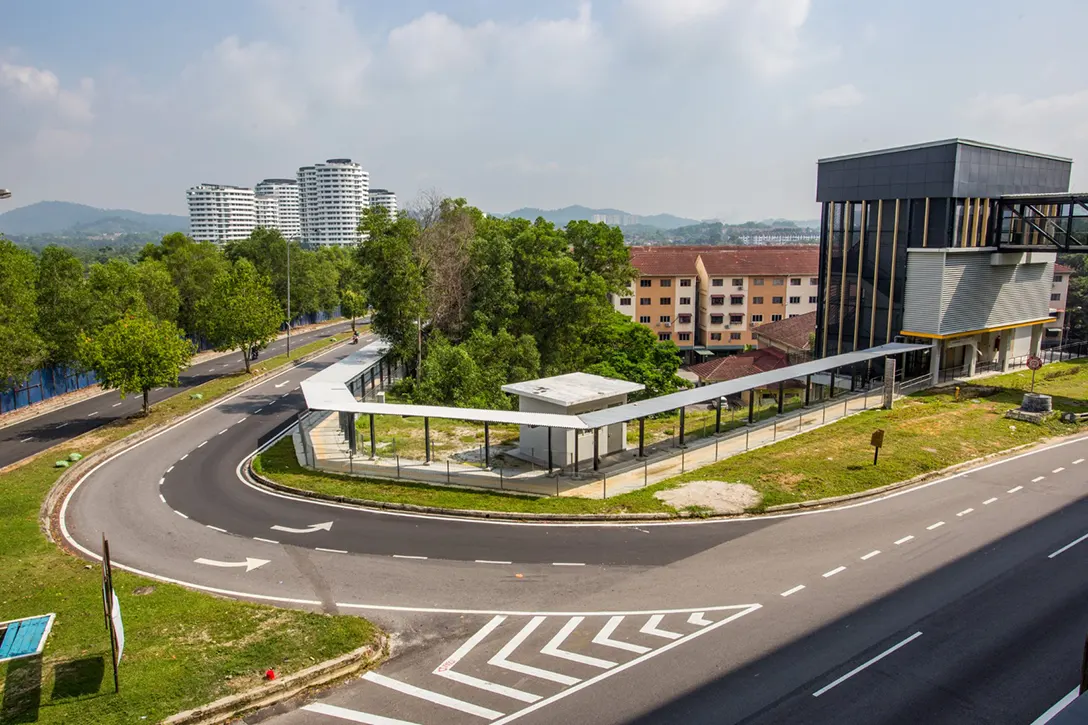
[50, 508]
[323, 673]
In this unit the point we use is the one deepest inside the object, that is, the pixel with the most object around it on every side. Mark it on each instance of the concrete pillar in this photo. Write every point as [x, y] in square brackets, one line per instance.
[935, 362]
[1003, 350]
[970, 356]
[1036, 338]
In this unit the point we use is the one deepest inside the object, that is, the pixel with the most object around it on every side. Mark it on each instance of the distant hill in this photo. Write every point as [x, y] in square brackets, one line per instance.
[63, 218]
[561, 217]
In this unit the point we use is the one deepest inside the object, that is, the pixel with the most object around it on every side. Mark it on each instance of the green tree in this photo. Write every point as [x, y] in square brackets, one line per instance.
[352, 304]
[115, 292]
[600, 249]
[158, 290]
[240, 311]
[193, 266]
[393, 281]
[21, 349]
[137, 353]
[63, 304]
[449, 376]
[630, 351]
[494, 294]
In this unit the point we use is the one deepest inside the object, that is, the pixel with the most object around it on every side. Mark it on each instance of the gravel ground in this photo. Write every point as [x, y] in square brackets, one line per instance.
[721, 497]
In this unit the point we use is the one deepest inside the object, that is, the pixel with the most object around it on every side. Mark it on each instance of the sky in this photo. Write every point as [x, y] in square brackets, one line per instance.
[700, 108]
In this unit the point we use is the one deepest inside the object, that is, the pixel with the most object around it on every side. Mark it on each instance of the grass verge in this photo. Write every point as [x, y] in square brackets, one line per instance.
[924, 433]
[182, 649]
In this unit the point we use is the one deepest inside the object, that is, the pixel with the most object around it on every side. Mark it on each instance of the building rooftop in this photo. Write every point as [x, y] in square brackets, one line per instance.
[572, 388]
[935, 144]
[664, 261]
[380, 191]
[795, 332]
[1063, 269]
[280, 181]
[763, 260]
[739, 365]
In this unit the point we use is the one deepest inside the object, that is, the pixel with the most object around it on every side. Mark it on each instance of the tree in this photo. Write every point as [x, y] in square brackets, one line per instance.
[137, 353]
[240, 311]
[21, 350]
[630, 351]
[491, 275]
[157, 289]
[115, 292]
[193, 266]
[600, 249]
[352, 304]
[63, 304]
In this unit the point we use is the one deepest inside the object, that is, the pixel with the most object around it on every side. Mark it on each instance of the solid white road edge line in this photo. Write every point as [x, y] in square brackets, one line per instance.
[626, 665]
[861, 667]
[446, 668]
[436, 697]
[1057, 707]
[501, 658]
[789, 592]
[267, 541]
[1068, 546]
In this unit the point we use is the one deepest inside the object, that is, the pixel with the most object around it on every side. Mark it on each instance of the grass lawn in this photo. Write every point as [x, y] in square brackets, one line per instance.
[279, 464]
[182, 648]
[394, 435]
[923, 433]
[699, 421]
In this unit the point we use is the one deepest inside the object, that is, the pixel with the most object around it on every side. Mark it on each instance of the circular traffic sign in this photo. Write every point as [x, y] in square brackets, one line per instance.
[1034, 362]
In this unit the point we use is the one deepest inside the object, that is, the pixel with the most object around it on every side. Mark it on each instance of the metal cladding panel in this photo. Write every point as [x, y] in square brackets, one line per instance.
[986, 173]
[911, 173]
[707, 393]
[978, 295]
[922, 296]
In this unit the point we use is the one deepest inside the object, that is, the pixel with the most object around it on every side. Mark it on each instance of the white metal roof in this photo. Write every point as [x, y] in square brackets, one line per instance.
[572, 388]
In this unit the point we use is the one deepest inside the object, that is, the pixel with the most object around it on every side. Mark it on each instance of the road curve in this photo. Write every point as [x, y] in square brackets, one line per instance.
[31, 436]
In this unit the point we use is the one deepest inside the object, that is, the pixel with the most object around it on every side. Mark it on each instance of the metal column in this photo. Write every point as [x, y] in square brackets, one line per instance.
[781, 396]
[641, 437]
[576, 451]
[487, 445]
[596, 450]
[372, 454]
[681, 427]
[427, 437]
[549, 449]
[718, 417]
[751, 406]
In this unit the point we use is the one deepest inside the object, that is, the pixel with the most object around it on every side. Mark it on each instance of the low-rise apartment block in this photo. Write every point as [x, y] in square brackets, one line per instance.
[1059, 296]
[664, 297]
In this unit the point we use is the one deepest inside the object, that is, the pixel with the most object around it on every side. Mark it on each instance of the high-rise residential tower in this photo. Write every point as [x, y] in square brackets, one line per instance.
[332, 197]
[384, 198]
[220, 213]
[278, 206]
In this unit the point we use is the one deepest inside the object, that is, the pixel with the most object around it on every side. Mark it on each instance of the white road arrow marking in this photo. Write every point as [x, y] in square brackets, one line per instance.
[327, 526]
[280, 385]
[250, 564]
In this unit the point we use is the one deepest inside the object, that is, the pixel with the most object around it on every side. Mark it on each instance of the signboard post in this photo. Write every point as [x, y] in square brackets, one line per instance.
[876, 442]
[112, 609]
[1034, 363]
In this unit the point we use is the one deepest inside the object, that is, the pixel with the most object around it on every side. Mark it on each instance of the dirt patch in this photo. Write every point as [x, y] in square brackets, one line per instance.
[717, 496]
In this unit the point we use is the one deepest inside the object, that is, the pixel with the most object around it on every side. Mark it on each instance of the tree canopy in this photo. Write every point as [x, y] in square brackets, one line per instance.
[240, 312]
[21, 349]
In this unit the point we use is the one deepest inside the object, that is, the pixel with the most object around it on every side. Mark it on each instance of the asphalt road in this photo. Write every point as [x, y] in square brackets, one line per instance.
[47, 430]
[720, 621]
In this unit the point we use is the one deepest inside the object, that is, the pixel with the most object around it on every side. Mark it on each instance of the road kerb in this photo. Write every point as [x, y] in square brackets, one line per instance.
[276, 691]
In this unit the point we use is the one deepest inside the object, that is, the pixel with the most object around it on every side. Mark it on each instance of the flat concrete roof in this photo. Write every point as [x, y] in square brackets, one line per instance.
[572, 388]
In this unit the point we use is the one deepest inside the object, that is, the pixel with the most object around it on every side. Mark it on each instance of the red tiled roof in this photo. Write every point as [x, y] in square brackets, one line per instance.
[794, 332]
[797, 259]
[662, 261]
[739, 365]
[1062, 269]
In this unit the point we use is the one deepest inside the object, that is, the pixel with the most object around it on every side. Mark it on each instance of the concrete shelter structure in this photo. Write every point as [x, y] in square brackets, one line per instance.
[570, 394]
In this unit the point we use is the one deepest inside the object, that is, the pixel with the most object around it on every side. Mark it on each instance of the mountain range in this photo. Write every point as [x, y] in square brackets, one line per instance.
[62, 218]
[561, 217]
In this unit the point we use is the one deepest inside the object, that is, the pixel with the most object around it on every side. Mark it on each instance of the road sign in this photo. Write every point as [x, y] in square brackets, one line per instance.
[876, 442]
[112, 610]
[1034, 362]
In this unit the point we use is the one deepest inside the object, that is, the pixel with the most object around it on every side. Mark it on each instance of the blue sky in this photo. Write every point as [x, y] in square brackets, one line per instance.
[703, 108]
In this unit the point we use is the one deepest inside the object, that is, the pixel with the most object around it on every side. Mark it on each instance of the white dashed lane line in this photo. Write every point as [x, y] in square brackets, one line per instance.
[331, 551]
[115, 405]
[203, 444]
[567, 563]
[1040, 478]
[90, 415]
[162, 481]
[216, 528]
[937, 525]
[162, 498]
[490, 561]
[223, 431]
[407, 556]
[833, 572]
[965, 512]
[181, 514]
[871, 554]
[1068, 546]
[989, 501]
[1014, 489]
[171, 468]
[184, 457]
[904, 540]
[267, 541]
[1078, 461]
[1059, 469]
[796, 589]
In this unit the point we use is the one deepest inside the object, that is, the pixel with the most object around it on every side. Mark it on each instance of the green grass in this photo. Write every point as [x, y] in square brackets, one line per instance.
[700, 423]
[394, 435]
[923, 433]
[279, 464]
[182, 648]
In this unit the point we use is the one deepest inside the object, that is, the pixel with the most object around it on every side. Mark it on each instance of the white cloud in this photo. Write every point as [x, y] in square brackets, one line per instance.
[42, 89]
[1064, 113]
[843, 96]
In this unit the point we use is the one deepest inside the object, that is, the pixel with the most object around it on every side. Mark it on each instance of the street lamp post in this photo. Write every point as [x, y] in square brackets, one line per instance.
[5, 194]
[288, 299]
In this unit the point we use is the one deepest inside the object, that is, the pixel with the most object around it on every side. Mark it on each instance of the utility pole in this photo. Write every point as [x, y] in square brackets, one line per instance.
[288, 299]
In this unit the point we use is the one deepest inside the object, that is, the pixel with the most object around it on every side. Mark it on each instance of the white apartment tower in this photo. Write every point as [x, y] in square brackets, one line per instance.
[384, 198]
[219, 213]
[278, 206]
[332, 198]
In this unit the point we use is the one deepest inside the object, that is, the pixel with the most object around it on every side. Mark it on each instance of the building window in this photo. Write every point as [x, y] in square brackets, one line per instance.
[644, 300]
[795, 300]
[625, 301]
[685, 336]
[734, 335]
[645, 283]
[685, 283]
[716, 336]
[778, 281]
[716, 319]
[717, 282]
[738, 281]
[666, 283]
[776, 300]
[812, 300]
[758, 281]
[665, 318]
[736, 300]
[795, 281]
[644, 319]
[666, 300]
[776, 318]
[717, 300]
[757, 318]
[683, 319]
[1057, 278]
[685, 300]
[757, 300]
[813, 281]
[664, 336]
[736, 319]
[1056, 296]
